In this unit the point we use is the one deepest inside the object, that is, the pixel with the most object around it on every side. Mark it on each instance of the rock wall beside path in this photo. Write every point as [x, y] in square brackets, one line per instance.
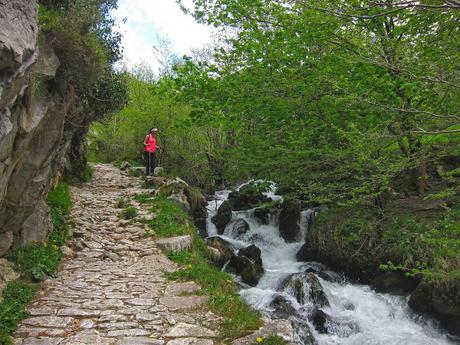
[36, 104]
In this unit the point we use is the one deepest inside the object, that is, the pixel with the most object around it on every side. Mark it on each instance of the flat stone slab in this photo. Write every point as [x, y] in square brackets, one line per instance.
[87, 337]
[41, 341]
[182, 288]
[77, 312]
[189, 330]
[190, 341]
[48, 321]
[128, 333]
[281, 328]
[183, 302]
[175, 244]
[139, 341]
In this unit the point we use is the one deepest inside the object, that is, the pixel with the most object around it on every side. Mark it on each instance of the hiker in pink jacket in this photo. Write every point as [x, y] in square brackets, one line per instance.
[150, 148]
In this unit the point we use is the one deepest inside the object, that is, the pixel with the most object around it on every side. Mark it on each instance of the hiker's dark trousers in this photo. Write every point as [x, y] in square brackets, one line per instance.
[150, 160]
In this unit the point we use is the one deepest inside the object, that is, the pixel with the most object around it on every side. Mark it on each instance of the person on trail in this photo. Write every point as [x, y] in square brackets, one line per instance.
[150, 148]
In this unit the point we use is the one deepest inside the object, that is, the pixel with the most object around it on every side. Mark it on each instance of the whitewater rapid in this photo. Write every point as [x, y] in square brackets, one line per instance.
[363, 316]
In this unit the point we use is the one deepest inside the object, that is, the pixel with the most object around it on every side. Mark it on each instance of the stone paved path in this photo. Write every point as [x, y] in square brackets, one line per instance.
[110, 289]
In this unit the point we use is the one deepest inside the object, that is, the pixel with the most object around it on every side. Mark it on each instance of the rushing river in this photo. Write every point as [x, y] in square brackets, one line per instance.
[359, 315]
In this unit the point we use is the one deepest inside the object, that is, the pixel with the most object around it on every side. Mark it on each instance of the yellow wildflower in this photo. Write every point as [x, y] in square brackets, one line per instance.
[259, 339]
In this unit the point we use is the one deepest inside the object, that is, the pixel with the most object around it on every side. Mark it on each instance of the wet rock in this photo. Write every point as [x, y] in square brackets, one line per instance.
[305, 287]
[281, 307]
[248, 264]
[443, 300]
[303, 334]
[223, 217]
[239, 228]
[319, 319]
[245, 200]
[394, 282]
[325, 324]
[262, 214]
[223, 250]
[289, 220]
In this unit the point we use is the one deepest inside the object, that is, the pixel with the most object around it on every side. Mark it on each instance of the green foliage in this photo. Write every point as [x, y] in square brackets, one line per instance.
[60, 204]
[169, 219]
[87, 47]
[144, 198]
[446, 193]
[129, 212]
[256, 187]
[16, 296]
[37, 261]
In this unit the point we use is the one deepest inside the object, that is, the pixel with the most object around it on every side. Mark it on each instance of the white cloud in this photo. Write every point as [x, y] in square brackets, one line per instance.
[146, 19]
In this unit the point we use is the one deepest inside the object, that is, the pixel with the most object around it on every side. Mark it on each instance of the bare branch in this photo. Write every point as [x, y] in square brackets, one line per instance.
[422, 131]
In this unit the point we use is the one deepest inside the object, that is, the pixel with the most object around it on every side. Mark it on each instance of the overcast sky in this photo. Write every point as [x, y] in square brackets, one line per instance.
[148, 19]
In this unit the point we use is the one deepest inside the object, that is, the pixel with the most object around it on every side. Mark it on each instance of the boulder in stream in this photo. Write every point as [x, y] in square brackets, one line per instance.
[305, 288]
[248, 264]
[223, 217]
[281, 307]
[221, 250]
[246, 199]
[326, 324]
[289, 220]
[239, 227]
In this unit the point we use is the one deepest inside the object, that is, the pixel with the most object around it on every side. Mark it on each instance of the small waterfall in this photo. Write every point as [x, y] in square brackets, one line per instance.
[306, 220]
[323, 309]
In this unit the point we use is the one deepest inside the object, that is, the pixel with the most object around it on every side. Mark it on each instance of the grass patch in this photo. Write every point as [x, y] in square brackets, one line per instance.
[16, 296]
[122, 203]
[170, 220]
[37, 261]
[129, 212]
[144, 198]
[60, 204]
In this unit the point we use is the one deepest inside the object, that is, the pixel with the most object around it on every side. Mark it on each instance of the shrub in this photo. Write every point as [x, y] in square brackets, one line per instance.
[37, 261]
[129, 213]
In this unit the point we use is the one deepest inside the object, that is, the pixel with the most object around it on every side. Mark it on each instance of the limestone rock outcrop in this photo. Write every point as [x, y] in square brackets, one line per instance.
[40, 123]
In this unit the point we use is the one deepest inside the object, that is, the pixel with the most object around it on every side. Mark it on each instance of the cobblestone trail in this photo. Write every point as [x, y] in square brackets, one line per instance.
[110, 289]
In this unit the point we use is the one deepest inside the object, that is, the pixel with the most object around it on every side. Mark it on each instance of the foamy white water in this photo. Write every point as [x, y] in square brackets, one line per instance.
[362, 316]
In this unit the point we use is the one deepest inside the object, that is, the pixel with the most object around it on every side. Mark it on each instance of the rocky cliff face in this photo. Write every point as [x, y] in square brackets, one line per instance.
[39, 119]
